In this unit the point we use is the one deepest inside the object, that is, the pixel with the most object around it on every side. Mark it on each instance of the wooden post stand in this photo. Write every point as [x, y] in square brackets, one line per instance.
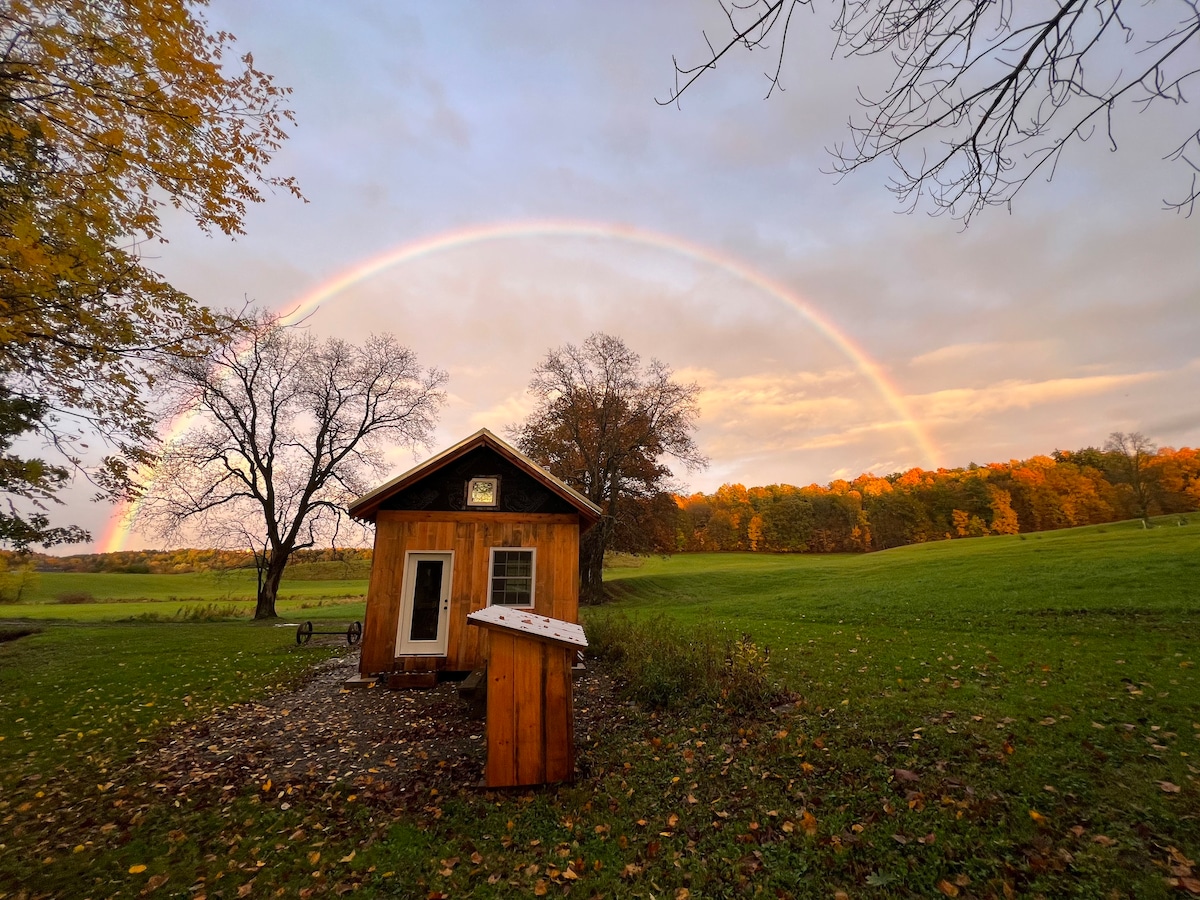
[530, 712]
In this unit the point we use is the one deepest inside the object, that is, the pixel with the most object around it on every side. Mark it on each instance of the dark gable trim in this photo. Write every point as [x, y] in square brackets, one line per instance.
[445, 489]
[429, 487]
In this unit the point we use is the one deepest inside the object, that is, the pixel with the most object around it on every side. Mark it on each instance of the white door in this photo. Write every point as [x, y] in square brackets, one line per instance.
[425, 605]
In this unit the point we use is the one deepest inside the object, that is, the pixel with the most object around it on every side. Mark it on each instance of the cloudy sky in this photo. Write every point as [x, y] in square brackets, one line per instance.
[509, 172]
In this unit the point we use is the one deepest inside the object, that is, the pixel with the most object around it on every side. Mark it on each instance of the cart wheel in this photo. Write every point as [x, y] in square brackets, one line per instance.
[304, 633]
[354, 633]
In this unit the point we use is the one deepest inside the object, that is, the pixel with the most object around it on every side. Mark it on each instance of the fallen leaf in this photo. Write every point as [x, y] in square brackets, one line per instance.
[246, 889]
[947, 888]
[1169, 787]
[1103, 840]
[905, 775]
[155, 882]
[1178, 858]
[1037, 816]
[809, 823]
[137, 869]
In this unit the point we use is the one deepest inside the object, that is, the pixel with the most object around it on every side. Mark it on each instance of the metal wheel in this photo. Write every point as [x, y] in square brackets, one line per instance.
[304, 633]
[354, 633]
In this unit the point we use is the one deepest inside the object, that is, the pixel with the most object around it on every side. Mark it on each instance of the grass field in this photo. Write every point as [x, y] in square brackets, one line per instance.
[115, 596]
[987, 718]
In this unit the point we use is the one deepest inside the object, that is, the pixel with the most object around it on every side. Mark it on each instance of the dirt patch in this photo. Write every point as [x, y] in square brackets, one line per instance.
[410, 740]
[12, 632]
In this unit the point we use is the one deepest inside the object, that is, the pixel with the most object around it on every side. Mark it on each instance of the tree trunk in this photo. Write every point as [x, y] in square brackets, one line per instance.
[268, 589]
[591, 566]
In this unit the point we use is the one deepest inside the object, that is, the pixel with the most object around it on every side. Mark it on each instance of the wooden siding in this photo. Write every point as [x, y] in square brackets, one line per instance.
[470, 536]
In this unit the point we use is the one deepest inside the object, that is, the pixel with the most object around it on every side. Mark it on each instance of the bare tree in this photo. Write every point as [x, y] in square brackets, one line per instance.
[987, 94]
[284, 431]
[1131, 454]
[603, 424]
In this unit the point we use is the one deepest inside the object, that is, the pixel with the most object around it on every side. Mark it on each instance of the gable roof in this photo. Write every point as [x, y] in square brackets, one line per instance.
[367, 506]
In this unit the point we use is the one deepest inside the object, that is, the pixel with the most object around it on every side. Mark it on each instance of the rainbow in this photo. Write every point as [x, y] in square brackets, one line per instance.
[123, 519]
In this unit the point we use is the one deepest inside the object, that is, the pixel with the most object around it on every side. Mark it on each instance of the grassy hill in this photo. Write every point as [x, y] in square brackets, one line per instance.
[989, 718]
[1112, 570]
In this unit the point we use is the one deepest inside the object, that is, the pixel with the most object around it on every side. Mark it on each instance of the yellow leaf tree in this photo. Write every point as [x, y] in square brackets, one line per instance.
[110, 109]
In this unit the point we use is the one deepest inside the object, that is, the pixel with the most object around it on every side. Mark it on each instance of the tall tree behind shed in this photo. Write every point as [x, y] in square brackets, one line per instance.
[604, 423]
[285, 430]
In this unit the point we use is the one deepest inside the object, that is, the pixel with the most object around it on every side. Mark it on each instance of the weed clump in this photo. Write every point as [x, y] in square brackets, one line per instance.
[664, 665]
[200, 612]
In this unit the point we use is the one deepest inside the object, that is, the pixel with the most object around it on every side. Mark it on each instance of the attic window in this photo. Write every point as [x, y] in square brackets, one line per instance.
[512, 577]
[484, 492]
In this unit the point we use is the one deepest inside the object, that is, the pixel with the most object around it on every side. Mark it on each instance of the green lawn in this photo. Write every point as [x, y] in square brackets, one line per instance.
[981, 718]
[117, 596]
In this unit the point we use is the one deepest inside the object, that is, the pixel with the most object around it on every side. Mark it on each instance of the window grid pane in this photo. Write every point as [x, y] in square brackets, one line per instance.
[512, 577]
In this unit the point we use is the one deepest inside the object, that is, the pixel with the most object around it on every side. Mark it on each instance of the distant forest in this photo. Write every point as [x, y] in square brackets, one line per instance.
[1065, 489]
[1085, 487]
[177, 562]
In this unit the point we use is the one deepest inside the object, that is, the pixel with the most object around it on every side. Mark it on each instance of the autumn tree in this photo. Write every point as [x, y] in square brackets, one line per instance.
[32, 480]
[1132, 454]
[110, 112]
[605, 423]
[285, 430]
[1177, 476]
[985, 95]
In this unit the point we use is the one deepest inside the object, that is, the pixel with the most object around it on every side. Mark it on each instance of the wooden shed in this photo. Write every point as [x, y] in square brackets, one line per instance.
[479, 524]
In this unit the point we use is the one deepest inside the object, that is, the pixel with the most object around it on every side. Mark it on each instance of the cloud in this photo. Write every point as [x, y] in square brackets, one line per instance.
[956, 404]
[973, 350]
[508, 411]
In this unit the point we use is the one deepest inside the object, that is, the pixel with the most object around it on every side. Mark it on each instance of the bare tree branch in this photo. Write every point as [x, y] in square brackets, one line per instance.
[986, 93]
[287, 429]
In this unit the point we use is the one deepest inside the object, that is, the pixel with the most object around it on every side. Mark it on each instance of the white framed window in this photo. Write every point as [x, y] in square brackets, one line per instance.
[511, 574]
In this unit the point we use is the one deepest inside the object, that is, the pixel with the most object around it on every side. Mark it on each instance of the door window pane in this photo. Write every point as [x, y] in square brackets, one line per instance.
[427, 600]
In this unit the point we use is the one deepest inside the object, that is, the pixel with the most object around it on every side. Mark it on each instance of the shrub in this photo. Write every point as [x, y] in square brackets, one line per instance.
[17, 582]
[664, 665]
[75, 597]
